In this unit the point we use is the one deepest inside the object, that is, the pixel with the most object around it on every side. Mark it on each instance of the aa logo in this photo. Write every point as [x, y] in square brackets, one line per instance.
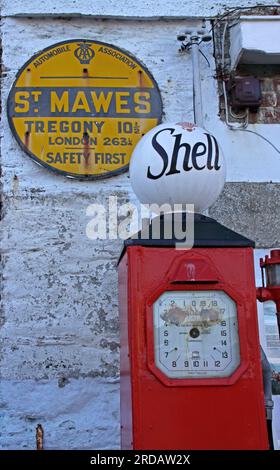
[84, 53]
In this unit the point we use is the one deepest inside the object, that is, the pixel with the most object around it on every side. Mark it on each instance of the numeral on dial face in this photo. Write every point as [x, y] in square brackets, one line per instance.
[196, 334]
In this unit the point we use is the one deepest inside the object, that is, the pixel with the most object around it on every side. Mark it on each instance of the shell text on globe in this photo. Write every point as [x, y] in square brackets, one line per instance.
[210, 151]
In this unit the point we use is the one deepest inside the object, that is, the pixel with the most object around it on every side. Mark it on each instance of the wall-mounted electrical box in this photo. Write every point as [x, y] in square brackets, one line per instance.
[244, 92]
[255, 40]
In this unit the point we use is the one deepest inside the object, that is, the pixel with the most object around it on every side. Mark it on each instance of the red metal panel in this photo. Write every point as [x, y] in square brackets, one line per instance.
[126, 404]
[192, 414]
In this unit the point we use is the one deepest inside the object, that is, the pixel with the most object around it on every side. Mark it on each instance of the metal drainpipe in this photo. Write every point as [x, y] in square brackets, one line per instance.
[194, 38]
[197, 95]
[197, 99]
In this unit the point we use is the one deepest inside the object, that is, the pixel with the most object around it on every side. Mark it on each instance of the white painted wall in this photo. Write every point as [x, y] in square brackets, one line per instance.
[59, 361]
[82, 415]
[248, 157]
[125, 8]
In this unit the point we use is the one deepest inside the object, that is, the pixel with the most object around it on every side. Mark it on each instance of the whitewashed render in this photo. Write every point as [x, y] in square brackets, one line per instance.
[60, 342]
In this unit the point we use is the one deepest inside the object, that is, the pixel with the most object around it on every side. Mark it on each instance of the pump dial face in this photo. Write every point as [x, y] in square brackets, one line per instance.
[196, 334]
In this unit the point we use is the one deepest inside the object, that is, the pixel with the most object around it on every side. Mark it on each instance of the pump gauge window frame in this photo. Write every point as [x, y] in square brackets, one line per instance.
[196, 336]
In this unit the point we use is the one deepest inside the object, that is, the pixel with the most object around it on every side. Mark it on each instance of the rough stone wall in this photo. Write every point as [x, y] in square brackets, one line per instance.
[60, 342]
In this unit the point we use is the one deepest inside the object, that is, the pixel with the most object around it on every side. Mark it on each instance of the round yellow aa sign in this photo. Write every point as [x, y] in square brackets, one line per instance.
[79, 107]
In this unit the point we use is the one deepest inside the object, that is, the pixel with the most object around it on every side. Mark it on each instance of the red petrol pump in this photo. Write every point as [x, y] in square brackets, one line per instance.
[270, 289]
[190, 358]
[191, 375]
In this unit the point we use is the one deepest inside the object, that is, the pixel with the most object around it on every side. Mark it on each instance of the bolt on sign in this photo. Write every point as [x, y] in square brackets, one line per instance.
[79, 107]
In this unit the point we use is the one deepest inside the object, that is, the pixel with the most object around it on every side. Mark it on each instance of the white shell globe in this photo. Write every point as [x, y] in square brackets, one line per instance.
[178, 164]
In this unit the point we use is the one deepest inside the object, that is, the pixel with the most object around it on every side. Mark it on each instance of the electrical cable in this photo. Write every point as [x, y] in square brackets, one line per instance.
[245, 116]
[230, 125]
[262, 137]
[245, 124]
[237, 116]
[232, 10]
[202, 53]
